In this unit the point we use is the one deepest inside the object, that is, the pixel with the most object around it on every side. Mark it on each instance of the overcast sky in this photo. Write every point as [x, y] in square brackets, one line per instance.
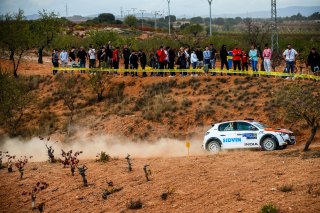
[178, 7]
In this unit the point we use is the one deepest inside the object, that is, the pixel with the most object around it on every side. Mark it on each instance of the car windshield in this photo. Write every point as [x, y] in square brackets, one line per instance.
[260, 125]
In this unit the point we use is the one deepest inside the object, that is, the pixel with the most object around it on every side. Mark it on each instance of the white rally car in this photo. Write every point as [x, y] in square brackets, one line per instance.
[246, 134]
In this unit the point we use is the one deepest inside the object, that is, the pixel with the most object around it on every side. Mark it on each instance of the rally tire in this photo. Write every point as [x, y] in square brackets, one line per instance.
[214, 146]
[269, 144]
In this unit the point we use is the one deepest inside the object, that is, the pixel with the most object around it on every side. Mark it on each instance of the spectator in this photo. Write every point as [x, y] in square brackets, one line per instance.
[187, 52]
[82, 56]
[224, 57]
[72, 57]
[172, 58]
[143, 62]
[115, 58]
[126, 55]
[244, 59]
[103, 57]
[64, 58]
[166, 61]
[55, 61]
[153, 62]
[213, 56]
[194, 61]
[267, 54]
[99, 54]
[92, 57]
[207, 58]
[236, 58]
[109, 53]
[253, 54]
[314, 61]
[133, 61]
[199, 54]
[182, 60]
[290, 55]
[161, 59]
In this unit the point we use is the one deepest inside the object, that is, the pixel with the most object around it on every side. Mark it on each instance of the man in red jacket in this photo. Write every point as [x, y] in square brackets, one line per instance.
[161, 55]
[236, 58]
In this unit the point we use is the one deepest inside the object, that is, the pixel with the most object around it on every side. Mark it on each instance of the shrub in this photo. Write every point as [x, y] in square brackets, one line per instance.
[194, 83]
[155, 107]
[269, 208]
[186, 103]
[135, 204]
[103, 157]
[222, 80]
[286, 188]
[160, 88]
[116, 93]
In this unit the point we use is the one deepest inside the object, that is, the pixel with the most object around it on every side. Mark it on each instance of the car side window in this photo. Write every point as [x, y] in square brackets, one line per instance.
[227, 126]
[244, 126]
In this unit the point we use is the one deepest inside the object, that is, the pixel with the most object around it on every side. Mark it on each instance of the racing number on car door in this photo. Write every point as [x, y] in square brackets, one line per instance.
[248, 133]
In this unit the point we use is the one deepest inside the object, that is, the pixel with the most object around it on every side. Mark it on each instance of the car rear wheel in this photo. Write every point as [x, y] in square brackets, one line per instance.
[269, 144]
[214, 146]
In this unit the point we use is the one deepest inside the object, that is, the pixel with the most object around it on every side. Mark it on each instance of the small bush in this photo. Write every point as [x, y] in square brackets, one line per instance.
[269, 208]
[160, 88]
[222, 80]
[135, 204]
[116, 93]
[186, 103]
[286, 188]
[103, 157]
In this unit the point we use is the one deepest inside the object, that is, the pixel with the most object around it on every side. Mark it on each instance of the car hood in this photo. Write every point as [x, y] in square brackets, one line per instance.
[278, 130]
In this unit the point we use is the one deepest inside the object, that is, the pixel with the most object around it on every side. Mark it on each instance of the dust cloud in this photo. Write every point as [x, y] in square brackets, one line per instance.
[92, 145]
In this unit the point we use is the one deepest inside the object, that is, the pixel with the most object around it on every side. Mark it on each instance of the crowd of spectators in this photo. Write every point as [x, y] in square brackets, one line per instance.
[168, 60]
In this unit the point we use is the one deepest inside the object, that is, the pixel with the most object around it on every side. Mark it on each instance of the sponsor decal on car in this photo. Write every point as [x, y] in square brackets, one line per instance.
[251, 144]
[250, 135]
[232, 140]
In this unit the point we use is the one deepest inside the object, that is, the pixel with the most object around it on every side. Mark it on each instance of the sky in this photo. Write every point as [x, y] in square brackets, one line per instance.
[187, 8]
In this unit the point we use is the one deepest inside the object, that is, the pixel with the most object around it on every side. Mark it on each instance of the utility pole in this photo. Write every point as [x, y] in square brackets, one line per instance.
[142, 11]
[121, 11]
[128, 12]
[134, 11]
[66, 10]
[210, 1]
[155, 19]
[274, 26]
[169, 17]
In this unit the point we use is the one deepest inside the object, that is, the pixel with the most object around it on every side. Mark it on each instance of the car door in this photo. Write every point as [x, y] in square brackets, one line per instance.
[227, 135]
[249, 135]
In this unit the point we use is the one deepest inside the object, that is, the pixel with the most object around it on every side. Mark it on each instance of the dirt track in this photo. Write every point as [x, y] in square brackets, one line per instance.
[238, 181]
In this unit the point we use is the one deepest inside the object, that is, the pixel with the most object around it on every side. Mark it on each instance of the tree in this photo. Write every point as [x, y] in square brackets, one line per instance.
[301, 103]
[15, 97]
[131, 21]
[196, 20]
[98, 83]
[44, 30]
[257, 33]
[194, 29]
[173, 18]
[15, 37]
[69, 91]
[218, 21]
[106, 18]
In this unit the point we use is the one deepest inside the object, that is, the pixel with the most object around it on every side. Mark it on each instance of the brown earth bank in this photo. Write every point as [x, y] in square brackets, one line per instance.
[144, 111]
[235, 181]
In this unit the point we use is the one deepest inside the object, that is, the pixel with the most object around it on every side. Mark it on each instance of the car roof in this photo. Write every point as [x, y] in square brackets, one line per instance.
[248, 121]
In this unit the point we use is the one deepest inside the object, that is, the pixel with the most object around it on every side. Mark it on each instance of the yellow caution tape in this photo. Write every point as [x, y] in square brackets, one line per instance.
[148, 70]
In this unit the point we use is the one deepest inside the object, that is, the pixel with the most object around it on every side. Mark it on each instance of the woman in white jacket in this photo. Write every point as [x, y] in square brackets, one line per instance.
[194, 60]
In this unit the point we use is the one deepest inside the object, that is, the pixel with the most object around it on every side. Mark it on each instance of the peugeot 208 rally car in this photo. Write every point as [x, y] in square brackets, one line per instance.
[246, 134]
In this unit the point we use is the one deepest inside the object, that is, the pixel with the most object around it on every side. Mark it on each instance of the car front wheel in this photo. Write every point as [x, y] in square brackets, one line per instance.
[269, 144]
[214, 146]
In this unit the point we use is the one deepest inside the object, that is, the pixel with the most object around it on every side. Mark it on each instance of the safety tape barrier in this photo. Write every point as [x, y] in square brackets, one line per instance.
[211, 71]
